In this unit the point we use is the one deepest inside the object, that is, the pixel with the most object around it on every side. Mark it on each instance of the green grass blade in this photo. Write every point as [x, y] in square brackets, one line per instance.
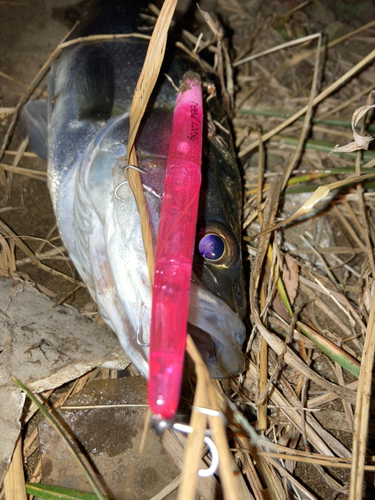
[57, 492]
[331, 350]
[286, 114]
[51, 419]
[323, 147]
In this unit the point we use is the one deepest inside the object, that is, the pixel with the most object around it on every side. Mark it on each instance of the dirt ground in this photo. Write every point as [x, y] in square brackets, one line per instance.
[29, 34]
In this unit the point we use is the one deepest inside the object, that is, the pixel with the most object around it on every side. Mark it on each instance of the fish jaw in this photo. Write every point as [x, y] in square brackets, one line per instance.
[218, 332]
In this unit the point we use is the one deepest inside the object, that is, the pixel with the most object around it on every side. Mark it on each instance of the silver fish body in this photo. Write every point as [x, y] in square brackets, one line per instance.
[90, 91]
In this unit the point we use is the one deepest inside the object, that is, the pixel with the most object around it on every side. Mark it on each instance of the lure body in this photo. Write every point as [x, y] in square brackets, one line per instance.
[175, 248]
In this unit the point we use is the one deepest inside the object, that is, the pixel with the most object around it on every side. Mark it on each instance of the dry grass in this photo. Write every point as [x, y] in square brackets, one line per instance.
[298, 350]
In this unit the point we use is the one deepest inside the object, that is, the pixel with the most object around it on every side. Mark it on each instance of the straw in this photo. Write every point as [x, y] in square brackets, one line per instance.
[329, 90]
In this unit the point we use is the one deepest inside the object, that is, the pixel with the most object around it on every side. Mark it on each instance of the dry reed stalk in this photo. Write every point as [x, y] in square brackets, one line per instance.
[27, 444]
[313, 460]
[347, 407]
[168, 489]
[353, 219]
[5, 111]
[221, 58]
[99, 38]
[145, 430]
[20, 152]
[37, 473]
[241, 136]
[220, 438]
[145, 85]
[327, 270]
[142, 93]
[175, 444]
[349, 227]
[195, 56]
[274, 484]
[251, 473]
[273, 341]
[229, 74]
[7, 256]
[329, 441]
[362, 409]
[263, 443]
[14, 482]
[326, 130]
[26, 96]
[50, 254]
[260, 180]
[282, 46]
[294, 483]
[332, 250]
[293, 414]
[351, 34]
[319, 194]
[242, 488]
[76, 387]
[27, 154]
[216, 425]
[369, 164]
[348, 102]
[263, 371]
[25, 249]
[28, 172]
[328, 311]
[66, 297]
[198, 422]
[10, 176]
[334, 295]
[12, 79]
[47, 238]
[361, 203]
[329, 90]
[307, 121]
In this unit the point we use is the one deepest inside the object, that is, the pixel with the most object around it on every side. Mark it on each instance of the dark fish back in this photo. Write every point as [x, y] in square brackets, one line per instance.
[110, 17]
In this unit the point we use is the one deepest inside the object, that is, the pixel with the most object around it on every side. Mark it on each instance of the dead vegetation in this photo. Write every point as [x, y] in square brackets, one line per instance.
[298, 418]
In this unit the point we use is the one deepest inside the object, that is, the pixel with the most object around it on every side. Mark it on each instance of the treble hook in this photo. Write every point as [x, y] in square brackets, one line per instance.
[159, 425]
[145, 187]
[186, 429]
[140, 341]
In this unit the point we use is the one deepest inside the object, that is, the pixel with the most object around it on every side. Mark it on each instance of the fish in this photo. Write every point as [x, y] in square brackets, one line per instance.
[82, 130]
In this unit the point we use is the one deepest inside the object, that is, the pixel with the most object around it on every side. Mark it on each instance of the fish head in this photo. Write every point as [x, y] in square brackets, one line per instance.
[218, 296]
[97, 213]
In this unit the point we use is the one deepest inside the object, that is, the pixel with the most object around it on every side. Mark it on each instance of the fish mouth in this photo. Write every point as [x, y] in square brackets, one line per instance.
[217, 331]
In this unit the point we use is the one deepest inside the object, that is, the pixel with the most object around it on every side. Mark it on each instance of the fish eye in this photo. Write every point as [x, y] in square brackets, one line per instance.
[211, 247]
[217, 245]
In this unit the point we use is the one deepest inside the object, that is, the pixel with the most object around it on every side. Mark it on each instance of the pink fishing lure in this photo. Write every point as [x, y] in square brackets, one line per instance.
[174, 253]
